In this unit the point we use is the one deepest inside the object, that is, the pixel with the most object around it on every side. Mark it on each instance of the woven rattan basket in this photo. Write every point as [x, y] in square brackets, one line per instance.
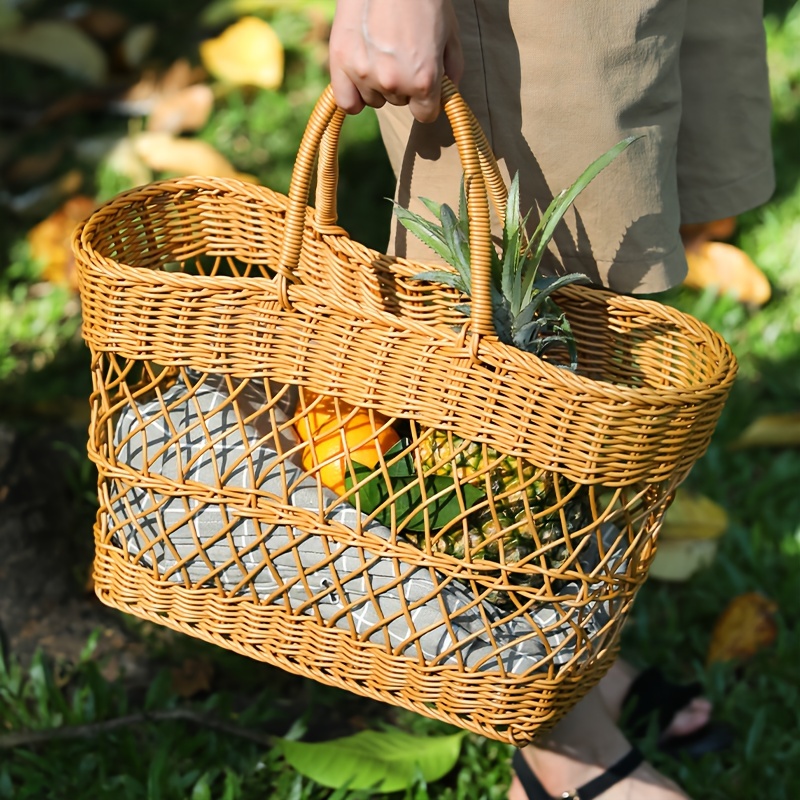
[220, 315]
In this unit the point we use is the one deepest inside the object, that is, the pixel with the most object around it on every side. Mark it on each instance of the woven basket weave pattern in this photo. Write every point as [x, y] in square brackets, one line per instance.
[210, 277]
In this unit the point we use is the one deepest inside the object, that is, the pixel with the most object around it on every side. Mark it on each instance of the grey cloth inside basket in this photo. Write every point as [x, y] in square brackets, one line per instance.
[194, 434]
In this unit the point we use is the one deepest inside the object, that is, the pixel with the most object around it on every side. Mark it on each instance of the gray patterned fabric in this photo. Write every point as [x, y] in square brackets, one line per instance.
[192, 434]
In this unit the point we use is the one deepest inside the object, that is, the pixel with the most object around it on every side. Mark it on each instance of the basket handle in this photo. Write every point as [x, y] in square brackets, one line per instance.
[482, 179]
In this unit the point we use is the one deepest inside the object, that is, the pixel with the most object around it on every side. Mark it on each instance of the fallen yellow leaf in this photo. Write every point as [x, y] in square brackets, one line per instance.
[58, 44]
[49, 241]
[746, 626]
[248, 53]
[729, 270]
[693, 516]
[167, 153]
[689, 536]
[183, 110]
[775, 430]
[679, 559]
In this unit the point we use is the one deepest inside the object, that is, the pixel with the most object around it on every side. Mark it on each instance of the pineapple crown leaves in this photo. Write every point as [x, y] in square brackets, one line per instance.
[525, 314]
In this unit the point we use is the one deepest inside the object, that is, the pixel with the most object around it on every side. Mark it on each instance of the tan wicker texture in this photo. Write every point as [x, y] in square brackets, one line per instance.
[190, 281]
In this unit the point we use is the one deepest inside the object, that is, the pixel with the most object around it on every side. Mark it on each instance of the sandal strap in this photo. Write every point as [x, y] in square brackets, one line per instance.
[590, 790]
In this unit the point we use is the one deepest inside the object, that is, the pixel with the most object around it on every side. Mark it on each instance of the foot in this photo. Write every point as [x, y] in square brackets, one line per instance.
[581, 748]
[614, 689]
[559, 774]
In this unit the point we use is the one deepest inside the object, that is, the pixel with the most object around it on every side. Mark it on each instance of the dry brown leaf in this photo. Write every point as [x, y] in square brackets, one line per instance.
[248, 53]
[35, 167]
[771, 430]
[166, 153]
[192, 677]
[729, 270]
[693, 516]
[49, 241]
[718, 230]
[103, 24]
[143, 96]
[746, 626]
[59, 44]
[182, 111]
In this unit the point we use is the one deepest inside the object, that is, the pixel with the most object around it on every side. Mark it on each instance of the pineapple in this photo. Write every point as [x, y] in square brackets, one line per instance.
[503, 529]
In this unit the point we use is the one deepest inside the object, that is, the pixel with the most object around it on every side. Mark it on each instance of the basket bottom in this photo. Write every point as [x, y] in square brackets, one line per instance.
[508, 708]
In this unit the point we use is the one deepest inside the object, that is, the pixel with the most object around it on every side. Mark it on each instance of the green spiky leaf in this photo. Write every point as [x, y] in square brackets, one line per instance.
[447, 278]
[542, 290]
[432, 206]
[463, 214]
[457, 242]
[524, 313]
[429, 234]
[558, 207]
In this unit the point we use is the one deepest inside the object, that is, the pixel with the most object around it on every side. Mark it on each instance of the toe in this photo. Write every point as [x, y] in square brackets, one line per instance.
[690, 719]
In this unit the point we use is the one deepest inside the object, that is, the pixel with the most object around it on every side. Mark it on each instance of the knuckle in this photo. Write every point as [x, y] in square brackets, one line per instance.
[387, 79]
[426, 82]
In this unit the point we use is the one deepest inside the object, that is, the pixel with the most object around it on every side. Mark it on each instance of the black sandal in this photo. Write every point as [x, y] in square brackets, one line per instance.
[591, 789]
[651, 694]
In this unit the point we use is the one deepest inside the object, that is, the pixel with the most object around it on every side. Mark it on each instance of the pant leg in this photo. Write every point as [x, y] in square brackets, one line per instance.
[554, 87]
[725, 162]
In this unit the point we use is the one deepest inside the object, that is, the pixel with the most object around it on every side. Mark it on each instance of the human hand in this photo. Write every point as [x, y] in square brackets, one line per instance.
[394, 51]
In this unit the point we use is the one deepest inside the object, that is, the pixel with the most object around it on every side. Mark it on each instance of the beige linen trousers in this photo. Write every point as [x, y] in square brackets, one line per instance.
[555, 83]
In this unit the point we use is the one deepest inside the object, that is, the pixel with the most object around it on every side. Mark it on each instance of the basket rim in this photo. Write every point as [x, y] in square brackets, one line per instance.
[722, 368]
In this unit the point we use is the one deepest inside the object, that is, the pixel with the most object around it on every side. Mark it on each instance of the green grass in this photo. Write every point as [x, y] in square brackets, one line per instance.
[42, 363]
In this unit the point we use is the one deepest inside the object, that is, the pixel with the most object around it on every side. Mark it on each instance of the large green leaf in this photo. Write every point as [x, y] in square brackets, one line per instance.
[442, 504]
[387, 761]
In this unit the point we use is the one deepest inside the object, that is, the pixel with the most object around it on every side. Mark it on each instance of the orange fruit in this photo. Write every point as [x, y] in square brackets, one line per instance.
[328, 440]
[322, 412]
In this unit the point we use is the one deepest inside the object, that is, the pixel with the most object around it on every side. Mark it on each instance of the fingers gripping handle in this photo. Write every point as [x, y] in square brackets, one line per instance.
[481, 176]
